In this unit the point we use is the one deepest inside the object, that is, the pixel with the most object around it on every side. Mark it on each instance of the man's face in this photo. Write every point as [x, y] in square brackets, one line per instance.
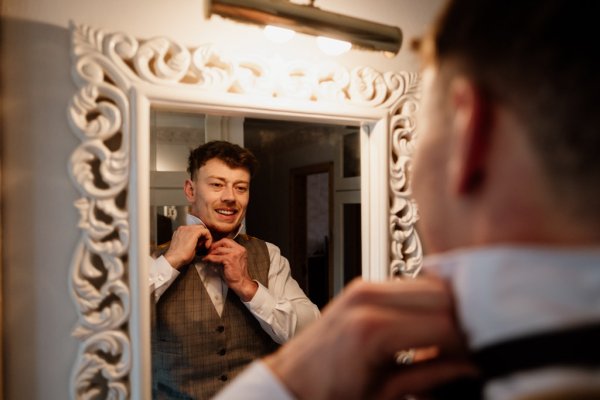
[430, 166]
[219, 195]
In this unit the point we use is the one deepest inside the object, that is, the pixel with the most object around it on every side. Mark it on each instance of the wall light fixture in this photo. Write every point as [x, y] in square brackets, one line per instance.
[310, 20]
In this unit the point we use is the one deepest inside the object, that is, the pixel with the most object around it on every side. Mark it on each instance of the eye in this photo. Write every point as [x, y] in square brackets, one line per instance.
[216, 185]
[241, 189]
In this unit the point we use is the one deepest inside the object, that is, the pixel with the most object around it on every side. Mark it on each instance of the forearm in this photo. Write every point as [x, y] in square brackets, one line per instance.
[280, 317]
[160, 276]
[283, 309]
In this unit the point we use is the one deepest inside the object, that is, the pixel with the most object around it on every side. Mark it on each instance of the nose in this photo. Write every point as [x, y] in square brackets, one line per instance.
[227, 194]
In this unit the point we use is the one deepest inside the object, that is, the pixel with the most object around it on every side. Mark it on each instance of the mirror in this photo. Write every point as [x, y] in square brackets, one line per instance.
[120, 80]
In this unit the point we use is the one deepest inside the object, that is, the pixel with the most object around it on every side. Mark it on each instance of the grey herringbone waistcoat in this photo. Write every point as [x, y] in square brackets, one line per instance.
[194, 351]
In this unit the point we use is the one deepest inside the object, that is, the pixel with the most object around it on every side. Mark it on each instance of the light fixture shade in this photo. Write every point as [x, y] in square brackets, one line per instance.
[310, 20]
[333, 47]
[278, 34]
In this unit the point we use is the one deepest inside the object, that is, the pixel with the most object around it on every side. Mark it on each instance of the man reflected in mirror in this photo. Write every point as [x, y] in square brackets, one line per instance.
[223, 298]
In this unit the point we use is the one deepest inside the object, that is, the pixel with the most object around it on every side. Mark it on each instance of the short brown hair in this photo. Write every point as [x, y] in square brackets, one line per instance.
[231, 154]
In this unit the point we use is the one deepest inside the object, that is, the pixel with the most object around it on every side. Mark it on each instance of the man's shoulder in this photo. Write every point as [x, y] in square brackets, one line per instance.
[271, 248]
[244, 237]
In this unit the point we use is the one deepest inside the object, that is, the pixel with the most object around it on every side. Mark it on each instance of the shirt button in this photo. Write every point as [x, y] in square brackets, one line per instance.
[222, 352]
[223, 378]
[220, 328]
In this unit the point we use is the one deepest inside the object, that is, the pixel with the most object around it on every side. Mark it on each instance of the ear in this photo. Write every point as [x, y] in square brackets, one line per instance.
[189, 189]
[471, 122]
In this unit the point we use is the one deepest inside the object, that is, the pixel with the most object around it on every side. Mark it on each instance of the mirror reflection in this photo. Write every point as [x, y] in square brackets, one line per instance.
[223, 290]
[305, 196]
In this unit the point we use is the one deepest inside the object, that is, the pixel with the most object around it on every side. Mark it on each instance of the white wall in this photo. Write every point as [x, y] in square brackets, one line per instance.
[184, 20]
[39, 220]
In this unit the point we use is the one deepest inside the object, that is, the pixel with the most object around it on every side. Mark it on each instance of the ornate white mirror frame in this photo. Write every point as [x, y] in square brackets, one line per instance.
[119, 78]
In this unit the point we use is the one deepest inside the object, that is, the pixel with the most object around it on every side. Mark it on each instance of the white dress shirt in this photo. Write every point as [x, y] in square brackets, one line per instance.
[282, 309]
[500, 293]
[508, 292]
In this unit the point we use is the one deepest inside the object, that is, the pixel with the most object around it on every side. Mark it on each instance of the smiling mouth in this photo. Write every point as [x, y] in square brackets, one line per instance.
[226, 213]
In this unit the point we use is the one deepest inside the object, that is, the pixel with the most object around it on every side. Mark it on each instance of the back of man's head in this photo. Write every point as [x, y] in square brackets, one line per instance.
[536, 57]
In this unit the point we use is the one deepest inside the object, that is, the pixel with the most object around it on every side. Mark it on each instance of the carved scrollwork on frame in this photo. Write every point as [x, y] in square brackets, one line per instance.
[406, 251]
[99, 168]
[105, 66]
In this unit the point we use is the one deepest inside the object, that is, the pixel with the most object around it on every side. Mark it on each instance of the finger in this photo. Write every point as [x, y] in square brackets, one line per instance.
[184, 238]
[208, 239]
[220, 251]
[426, 353]
[226, 243]
[424, 377]
[215, 259]
[203, 235]
[415, 355]
[381, 332]
[422, 294]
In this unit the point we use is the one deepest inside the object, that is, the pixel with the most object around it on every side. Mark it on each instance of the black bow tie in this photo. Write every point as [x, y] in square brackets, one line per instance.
[575, 347]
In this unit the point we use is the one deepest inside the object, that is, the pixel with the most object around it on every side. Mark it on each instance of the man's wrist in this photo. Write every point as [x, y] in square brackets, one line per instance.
[280, 367]
[174, 261]
[247, 290]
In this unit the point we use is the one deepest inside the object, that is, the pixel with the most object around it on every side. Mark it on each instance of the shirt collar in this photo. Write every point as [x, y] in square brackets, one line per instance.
[193, 220]
[508, 291]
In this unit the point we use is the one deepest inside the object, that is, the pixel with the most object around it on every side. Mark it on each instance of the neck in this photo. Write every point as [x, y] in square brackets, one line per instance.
[533, 223]
[516, 203]
[221, 235]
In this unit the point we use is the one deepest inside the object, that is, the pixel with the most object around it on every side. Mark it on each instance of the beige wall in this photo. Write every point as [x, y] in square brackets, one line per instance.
[39, 219]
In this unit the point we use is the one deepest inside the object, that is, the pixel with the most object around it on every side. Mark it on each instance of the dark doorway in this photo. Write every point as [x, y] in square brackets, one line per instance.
[352, 248]
[311, 212]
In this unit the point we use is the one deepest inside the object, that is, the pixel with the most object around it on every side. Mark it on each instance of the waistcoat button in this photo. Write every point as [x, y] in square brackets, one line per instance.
[223, 378]
[222, 352]
[220, 328]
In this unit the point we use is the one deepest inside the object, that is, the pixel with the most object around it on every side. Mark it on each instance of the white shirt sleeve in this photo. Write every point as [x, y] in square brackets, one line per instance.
[282, 309]
[160, 276]
[256, 382]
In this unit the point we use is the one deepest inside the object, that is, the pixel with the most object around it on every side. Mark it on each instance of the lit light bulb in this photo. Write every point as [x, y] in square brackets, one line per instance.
[277, 34]
[333, 47]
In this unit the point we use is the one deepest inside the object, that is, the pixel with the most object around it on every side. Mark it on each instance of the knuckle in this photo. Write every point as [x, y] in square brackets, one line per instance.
[359, 292]
[362, 325]
[447, 323]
